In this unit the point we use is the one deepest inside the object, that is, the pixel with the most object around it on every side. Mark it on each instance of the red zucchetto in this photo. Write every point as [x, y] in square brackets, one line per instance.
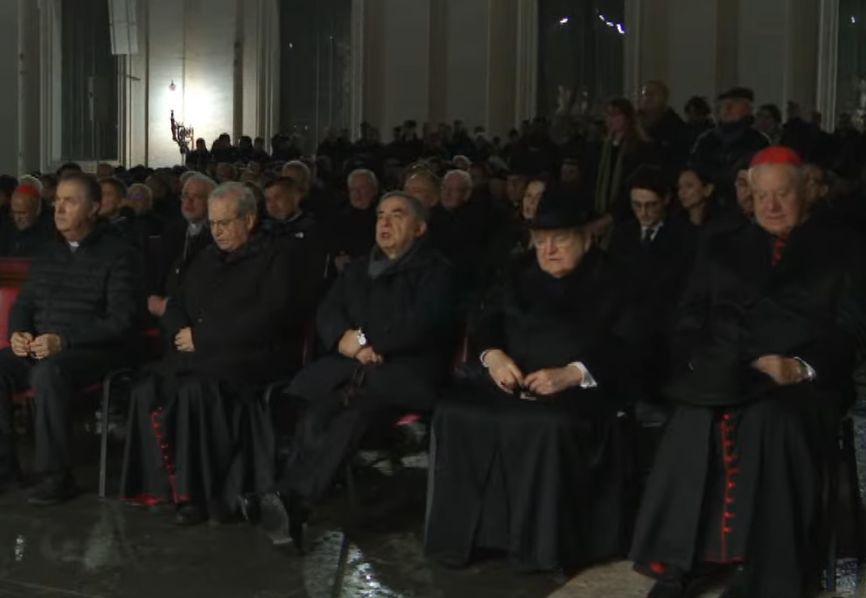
[25, 189]
[777, 154]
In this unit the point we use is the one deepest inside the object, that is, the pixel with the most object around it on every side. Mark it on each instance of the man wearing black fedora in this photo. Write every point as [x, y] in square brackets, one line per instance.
[527, 448]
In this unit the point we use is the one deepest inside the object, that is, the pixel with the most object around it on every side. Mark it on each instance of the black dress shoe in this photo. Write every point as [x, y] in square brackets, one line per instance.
[283, 520]
[668, 588]
[53, 490]
[189, 514]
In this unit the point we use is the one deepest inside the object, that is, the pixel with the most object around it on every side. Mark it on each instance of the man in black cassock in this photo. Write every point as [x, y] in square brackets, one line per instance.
[528, 455]
[387, 327]
[199, 435]
[763, 354]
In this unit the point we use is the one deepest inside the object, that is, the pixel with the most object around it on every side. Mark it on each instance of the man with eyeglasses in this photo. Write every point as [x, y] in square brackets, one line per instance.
[198, 430]
[651, 256]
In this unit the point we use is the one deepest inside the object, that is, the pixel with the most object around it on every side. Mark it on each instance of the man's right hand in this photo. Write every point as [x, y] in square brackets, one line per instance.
[503, 370]
[20, 343]
[156, 305]
[349, 345]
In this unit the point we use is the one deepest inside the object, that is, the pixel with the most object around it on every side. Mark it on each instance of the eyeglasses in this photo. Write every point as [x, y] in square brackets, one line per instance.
[221, 224]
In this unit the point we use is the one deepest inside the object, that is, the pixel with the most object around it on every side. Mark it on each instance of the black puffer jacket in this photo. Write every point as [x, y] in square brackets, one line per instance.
[89, 297]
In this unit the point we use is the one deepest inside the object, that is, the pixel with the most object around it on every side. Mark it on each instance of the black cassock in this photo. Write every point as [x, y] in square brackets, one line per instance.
[198, 430]
[544, 480]
[738, 475]
[407, 315]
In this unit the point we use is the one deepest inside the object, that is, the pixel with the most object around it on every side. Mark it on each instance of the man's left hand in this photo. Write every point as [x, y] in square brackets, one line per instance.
[45, 346]
[783, 370]
[550, 382]
[368, 356]
[183, 340]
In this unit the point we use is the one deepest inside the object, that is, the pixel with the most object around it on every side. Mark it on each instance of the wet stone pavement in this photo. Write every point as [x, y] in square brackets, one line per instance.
[102, 548]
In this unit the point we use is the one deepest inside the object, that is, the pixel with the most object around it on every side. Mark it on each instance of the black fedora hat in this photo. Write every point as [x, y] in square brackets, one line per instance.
[558, 209]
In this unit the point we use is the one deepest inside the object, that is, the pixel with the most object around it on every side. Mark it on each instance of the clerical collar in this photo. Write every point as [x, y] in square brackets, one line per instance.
[73, 245]
[194, 228]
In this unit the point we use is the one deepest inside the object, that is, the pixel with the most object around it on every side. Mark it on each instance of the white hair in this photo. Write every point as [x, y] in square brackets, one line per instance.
[798, 172]
[32, 181]
[300, 166]
[462, 175]
[245, 200]
[202, 178]
[371, 176]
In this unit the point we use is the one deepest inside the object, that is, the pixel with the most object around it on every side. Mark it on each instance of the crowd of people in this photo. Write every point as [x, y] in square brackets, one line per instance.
[532, 300]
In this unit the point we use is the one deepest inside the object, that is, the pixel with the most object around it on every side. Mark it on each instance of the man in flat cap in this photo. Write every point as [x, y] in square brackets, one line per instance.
[763, 353]
[733, 139]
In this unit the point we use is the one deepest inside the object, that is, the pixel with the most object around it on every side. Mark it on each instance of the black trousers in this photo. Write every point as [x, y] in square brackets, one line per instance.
[54, 382]
[327, 434]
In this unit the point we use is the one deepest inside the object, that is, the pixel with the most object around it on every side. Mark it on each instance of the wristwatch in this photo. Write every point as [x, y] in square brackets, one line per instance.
[362, 338]
[807, 373]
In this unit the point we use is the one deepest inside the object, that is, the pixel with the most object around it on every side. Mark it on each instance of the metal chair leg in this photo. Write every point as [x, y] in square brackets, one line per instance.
[103, 444]
[351, 497]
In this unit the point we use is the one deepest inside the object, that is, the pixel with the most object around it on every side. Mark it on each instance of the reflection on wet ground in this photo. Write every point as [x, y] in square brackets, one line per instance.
[91, 548]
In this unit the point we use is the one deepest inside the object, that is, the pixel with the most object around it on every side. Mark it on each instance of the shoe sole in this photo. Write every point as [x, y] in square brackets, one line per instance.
[275, 519]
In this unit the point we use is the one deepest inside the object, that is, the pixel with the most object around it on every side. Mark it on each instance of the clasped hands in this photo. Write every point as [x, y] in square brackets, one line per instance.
[24, 344]
[351, 348]
[509, 378]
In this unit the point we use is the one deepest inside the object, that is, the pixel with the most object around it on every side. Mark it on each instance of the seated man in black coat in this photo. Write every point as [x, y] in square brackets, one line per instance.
[459, 229]
[288, 221]
[180, 243]
[351, 229]
[763, 355]
[30, 227]
[387, 325]
[68, 328]
[651, 255]
[199, 435]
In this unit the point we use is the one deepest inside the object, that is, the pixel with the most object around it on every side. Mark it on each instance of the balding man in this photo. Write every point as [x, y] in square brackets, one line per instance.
[69, 327]
[27, 231]
[763, 354]
[664, 125]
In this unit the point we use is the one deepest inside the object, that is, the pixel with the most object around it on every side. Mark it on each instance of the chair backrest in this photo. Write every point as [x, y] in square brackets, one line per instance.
[14, 271]
[8, 295]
